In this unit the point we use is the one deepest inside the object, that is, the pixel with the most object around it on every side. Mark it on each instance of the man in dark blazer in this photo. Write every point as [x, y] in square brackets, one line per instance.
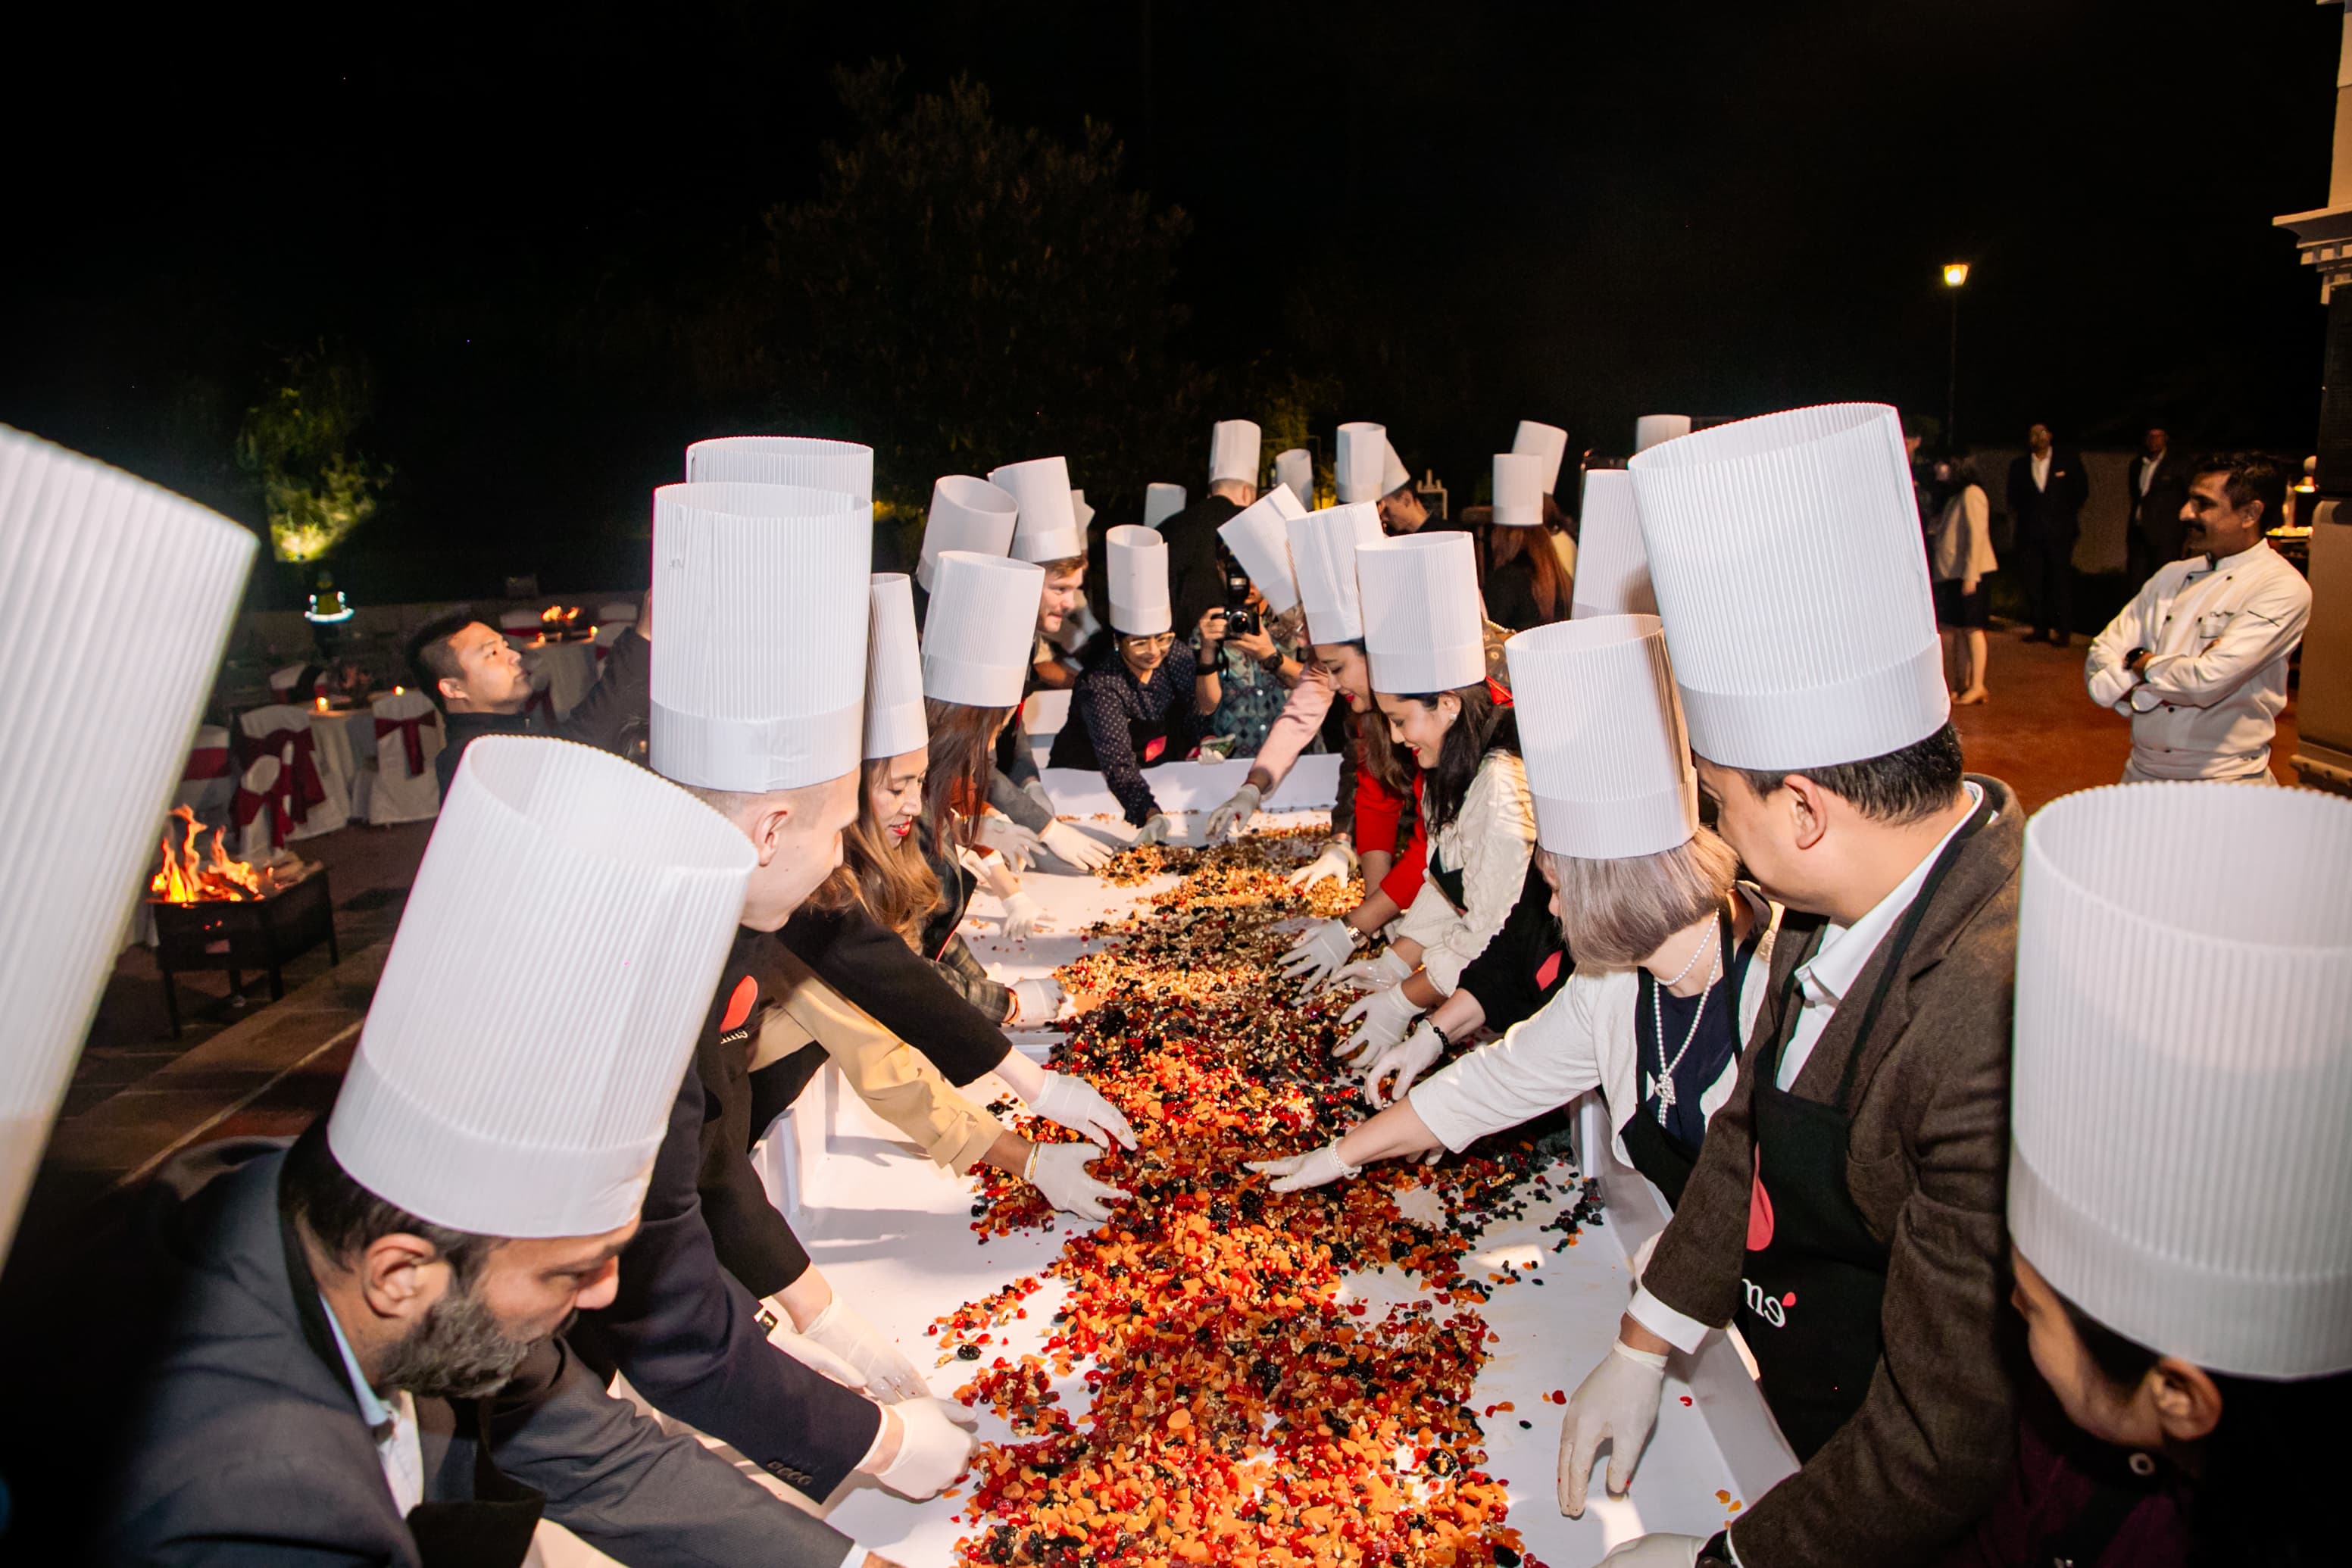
[2158, 489]
[2047, 488]
[467, 667]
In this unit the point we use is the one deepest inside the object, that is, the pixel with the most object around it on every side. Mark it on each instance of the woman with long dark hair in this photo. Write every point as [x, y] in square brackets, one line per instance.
[1524, 588]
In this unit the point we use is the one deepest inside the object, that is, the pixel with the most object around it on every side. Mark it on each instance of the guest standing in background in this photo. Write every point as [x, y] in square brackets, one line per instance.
[2047, 488]
[1959, 559]
[2159, 488]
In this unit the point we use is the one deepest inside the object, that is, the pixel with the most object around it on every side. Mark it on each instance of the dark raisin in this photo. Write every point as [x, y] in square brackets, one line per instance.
[967, 1352]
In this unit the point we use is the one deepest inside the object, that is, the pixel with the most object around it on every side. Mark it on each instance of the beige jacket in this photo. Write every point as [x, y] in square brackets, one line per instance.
[1961, 546]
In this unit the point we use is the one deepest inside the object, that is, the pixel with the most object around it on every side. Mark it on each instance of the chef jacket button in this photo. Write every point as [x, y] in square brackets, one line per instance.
[2141, 1466]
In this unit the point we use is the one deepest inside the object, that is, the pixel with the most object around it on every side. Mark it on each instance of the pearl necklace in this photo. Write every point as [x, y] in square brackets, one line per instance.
[1663, 1084]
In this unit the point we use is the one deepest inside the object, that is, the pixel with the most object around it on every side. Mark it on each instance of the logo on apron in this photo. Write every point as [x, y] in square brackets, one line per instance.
[1154, 747]
[1773, 1312]
[738, 1006]
[1759, 1209]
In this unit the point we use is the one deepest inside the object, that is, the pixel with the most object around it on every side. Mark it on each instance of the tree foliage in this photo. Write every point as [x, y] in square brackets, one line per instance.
[299, 440]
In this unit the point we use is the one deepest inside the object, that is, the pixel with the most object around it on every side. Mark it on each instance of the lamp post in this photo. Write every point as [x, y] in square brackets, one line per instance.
[1955, 274]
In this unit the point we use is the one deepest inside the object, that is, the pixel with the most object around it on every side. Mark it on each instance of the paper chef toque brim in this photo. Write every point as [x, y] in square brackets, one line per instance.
[1295, 468]
[1655, 429]
[967, 513]
[2184, 965]
[980, 629]
[1518, 489]
[1600, 731]
[761, 681]
[1548, 442]
[1422, 631]
[1234, 451]
[894, 669]
[811, 462]
[1613, 570]
[541, 998]
[1259, 536]
[1161, 503]
[1785, 554]
[116, 599]
[1136, 561]
[1358, 458]
[1323, 546]
[1047, 529]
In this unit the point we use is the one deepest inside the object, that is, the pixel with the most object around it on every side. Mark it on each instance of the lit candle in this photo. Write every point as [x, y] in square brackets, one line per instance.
[322, 705]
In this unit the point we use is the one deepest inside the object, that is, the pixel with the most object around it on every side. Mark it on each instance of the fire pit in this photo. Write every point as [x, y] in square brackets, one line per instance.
[227, 915]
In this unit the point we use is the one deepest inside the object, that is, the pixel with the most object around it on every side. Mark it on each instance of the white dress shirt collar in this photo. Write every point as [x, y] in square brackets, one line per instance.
[393, 1426]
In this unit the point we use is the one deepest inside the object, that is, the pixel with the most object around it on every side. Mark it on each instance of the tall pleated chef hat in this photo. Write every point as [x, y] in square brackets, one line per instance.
[1259, 536]
[894, 669]
[1518, 489]
[761, 682]
[966, 513]
[1161, 503]
[1047, 529]
[1422, 629]
[1359, 458]
[1601, 729]
[1652, 429]
[120, 595]
[1234, 451]
[1136, 561]
[1323, 546]
[2183, 1076]
[1394, 477]
[811, 462]
[517, 1065]
[1785, 554]
[1295, 468]
[1082, 512]
[1548, 442]
[981, 629]
[1613, 569]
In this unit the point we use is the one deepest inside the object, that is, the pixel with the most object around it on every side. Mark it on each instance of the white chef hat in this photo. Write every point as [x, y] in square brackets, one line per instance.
[894, 669]
[1295, 468]
[1233, 451]
[1422, 631]
[1359, 459]
[1084, 513]
[761, 681]
[811, 462]
[1136, 561]
[1785, 554]
[100, 738]
[1047, 529]
[1548, 442]
[1518, 489]
[1394, 477]
[981, 629]
[2183, 1074]
[517, 1065]
[967, 513]
[1613, 569]
[1259, 536]
[1654, 429]
[1161, 503]
[1323, 546]
[1609, 767]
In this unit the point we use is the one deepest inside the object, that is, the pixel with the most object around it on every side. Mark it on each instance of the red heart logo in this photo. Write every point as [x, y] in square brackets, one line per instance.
[738, 1006]
[1790, 1299]
[1547, 972]
[1760, 1210]
[1154, 747]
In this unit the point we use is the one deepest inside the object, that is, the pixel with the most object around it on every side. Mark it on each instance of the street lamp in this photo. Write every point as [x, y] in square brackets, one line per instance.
[1955, 274]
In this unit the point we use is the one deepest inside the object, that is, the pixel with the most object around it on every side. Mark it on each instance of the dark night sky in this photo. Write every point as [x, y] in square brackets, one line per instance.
[1572, 212]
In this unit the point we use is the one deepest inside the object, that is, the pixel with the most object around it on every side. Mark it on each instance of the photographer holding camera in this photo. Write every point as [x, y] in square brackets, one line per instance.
[1248, 661]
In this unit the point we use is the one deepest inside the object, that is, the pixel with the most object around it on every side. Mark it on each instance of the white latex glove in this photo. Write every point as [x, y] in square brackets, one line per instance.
[1235, 813]
[1337, 861]
[1036, 1003]
[1655, 1550]
[1072, 847]
[1021, 914]
[1015, 843]
[1296, 1173]
[1375, 974]
[1408, 1059]
[1322, 949]
[1059, 1171]
[1159, 828]
[888, 1376]
[1617, 1403]
[807, 1351]
[1380, 1020]
[1068, 1101]
[932, 1450]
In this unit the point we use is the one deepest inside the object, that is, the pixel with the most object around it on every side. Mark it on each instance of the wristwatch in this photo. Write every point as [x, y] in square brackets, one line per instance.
[1716, 1553]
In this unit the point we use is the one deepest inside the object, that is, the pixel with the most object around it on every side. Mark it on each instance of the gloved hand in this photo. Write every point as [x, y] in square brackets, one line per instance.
[1235, 813]
[1059, 1171]
[1375, 974]
[1337, 861]
[1296, 1173]
[888, 1376]
[806, 1350]
[1021, 914]
[932, 1450]
[1617, 1403]
[1159, 828]
[1657, 1550]
[1381, 1019]
[1323, 948]
[1072, 847]
[1036, 1003]
[1408, 1059]
[1015, 843]
[1068, 1100]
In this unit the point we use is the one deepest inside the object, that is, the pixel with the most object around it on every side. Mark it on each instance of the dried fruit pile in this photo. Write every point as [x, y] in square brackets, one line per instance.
[1244, 1407]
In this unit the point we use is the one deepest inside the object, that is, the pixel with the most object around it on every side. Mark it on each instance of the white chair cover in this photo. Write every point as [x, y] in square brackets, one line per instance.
[520, 626]
[564, 670]
[208, 783]
[331, 763]
[399, 793]
[620, 611]
[256, 837]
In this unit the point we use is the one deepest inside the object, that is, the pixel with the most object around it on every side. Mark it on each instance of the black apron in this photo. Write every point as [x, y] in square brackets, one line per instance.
[1815, 1275]
[1657, 1153]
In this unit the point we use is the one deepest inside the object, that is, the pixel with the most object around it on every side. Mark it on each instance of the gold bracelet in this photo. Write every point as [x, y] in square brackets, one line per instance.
[1029, 1165]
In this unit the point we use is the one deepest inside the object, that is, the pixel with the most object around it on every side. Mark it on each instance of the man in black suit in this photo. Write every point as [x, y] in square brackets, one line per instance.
[2160, 490]
[2047, 488]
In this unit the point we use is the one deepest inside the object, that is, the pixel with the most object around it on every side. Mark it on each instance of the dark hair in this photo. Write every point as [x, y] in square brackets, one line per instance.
[893, 881]
[431, 658]
[2252, 477]
[315, 1192]
[964, 755]
[1533, 546]
[1963, 463]
[1485, 725]
[1900, 787]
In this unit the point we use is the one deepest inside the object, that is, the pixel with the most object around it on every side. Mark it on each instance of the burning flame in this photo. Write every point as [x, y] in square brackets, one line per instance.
[187, 878]
[556, 618]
